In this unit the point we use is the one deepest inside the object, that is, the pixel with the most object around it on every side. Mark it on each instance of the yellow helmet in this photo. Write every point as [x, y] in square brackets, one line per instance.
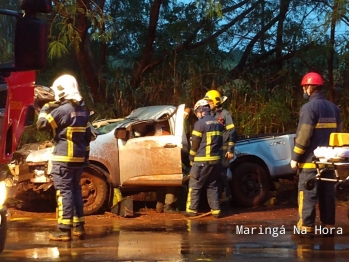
[215, 96]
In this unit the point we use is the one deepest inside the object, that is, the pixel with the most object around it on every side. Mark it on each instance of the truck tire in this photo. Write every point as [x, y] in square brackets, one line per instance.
[3, 230]
[94, 190]
[250, 185]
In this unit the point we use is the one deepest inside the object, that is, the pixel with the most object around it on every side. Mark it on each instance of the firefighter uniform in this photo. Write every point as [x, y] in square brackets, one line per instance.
[72, 135]
[205, 154]
[229, 139]
[318, 119]
[229, 133]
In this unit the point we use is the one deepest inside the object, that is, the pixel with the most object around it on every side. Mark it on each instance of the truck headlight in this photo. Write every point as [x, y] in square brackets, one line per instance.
[3, 193]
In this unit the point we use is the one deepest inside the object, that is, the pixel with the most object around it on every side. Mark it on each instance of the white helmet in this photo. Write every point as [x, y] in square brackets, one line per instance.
[200, 103]
[66, 87]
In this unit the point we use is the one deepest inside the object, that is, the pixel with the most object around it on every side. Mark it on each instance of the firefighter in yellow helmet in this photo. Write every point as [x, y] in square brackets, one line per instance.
[215, 100]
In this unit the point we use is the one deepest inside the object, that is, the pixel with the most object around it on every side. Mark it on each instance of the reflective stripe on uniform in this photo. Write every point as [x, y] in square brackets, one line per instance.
[312, 165]
[189, 201]
[326, 125]
[206, 158]
[67, 159]
[70, 131]
[298, 150]
[191, 152]
[300, 208]
[196, 133]
[209, 136]
[42, 115]
[231, 126]
[78, 219]
[61, 220]
[51, 120]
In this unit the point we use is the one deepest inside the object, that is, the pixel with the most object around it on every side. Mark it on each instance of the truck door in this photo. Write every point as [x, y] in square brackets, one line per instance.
[153, 160]
[16, 96]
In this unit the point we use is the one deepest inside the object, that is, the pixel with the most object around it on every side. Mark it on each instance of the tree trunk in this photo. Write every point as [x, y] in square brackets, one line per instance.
[331, 45]
[85, 57]
[148, 50]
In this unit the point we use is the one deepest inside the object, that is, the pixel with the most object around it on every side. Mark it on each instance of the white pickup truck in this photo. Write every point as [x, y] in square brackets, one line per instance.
[142, 152]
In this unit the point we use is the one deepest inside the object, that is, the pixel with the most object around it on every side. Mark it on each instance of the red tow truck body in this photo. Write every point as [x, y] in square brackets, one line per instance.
[16, 110]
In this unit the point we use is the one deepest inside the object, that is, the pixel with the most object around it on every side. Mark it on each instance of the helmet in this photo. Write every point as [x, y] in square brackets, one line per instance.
[215, 96]
[66, 87]
[200, 103]
[312, 78]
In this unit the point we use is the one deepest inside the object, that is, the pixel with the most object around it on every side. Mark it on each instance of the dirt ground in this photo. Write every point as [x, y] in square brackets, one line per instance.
[282, 206]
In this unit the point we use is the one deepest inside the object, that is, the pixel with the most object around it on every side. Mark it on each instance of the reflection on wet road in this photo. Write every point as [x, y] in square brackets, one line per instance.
[171, 240]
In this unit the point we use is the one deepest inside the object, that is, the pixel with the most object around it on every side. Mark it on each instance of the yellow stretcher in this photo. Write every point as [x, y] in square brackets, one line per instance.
[334, 157]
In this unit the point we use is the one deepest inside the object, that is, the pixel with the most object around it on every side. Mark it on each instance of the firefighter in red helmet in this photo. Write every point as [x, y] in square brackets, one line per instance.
[318, 118]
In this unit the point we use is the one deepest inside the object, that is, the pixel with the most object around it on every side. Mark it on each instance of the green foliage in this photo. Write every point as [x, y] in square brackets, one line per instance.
[57, 49]
[264, 94]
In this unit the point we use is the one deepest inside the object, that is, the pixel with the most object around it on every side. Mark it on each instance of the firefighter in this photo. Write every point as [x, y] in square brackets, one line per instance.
[318, 118]
[72, 136]
[205, 155]
[229, 137]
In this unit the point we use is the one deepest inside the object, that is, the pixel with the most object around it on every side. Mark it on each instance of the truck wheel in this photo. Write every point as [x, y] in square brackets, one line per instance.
[3, 230]
[250, 185]
[94, 190]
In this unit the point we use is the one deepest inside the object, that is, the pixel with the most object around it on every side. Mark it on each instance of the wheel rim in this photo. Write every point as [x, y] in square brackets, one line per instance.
[88, 191]
[251, 186]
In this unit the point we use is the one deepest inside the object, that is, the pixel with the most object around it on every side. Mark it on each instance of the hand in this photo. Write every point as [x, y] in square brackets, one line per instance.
[294, 164]
[229, 155]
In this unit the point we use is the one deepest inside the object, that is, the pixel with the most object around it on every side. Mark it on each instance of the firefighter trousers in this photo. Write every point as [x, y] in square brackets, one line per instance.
[307, 199]
[203, 177]
[70, 205]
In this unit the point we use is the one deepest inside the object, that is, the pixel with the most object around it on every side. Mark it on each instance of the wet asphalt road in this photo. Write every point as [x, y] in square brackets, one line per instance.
[172, 240]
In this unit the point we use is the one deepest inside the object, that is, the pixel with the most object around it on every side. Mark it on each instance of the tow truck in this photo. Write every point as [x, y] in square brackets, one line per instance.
[17, 81]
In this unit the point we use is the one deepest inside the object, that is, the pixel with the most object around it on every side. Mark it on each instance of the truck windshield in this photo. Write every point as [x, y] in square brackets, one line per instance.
[7, 37]
[107, 127]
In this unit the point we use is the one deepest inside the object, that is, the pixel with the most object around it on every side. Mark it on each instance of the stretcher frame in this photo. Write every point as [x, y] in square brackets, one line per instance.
[336, 139]
[328, 166]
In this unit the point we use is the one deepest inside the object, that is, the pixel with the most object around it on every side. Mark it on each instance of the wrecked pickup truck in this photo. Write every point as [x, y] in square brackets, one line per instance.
[142, 153]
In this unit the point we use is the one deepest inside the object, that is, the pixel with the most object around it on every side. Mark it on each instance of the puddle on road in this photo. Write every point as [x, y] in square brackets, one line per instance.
[169, 240]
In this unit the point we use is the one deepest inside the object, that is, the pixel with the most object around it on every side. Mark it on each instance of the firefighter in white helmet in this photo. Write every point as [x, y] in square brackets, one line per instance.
[72, 136]
[205, 154]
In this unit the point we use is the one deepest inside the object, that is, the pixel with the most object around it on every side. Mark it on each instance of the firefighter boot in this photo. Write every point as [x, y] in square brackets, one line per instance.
[169, 208]
[79, 231]
[60, 235]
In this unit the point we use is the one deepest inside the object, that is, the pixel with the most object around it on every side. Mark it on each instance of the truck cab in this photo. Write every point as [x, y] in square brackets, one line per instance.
[139, 153]
[25, 50]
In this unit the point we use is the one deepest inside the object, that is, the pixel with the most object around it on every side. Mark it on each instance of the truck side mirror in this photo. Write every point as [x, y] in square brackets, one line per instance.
[121, 133]
[30, 116]
[31, 43]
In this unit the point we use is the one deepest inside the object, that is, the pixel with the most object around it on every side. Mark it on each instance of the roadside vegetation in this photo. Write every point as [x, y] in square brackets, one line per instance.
[128, 54]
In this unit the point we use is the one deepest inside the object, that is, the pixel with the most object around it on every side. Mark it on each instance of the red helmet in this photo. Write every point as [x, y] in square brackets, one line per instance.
[312, 79]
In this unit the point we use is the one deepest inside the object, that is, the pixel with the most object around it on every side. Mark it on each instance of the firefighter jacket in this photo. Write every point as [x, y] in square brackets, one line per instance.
[48, 108]
[317, 120]
[207, 140]
[229, 132]
[72, 133]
